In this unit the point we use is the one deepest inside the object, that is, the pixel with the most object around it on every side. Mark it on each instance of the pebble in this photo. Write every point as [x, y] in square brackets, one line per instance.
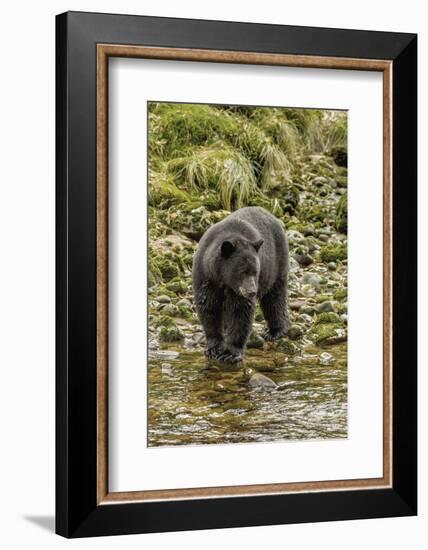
[325, 307]
[184, 302]
[331, 266]
[296, 305]
[304, 318]
[311, 278]
[169, 309]
[261, 381]
[326, 358]
[293, 265]
[166, 368]
[303, 259]
[163, 299]
[163, 354]
[307, 310]
[324, 238]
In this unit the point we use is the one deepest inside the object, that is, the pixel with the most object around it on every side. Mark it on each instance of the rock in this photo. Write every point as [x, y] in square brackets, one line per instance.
[311, 278]
[163, 299]
[255, 341]
[344, 318]
[260, 381]
[303, 259]
[286, 346]
[169, 309]
[166, 368]
[153, 344]
[177, 286]
[331, 266]
[294, 237]
[323, 237]
[325, 307]
[295, 305]
[295, 332]
[328, 317]
[304, 318]
[184, 302]
[326, 358]
[327, 334]
[319, 181]
[308, 230]
[307, 310]
[163, 354]
[293, 265]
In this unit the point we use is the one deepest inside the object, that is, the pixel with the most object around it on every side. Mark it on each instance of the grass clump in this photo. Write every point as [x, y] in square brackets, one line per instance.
[333, 253]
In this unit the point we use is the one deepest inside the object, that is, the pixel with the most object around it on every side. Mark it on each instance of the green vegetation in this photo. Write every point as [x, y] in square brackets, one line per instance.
[234, 156]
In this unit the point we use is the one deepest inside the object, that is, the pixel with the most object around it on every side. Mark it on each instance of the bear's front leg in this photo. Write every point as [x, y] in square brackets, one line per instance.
[209, 306]
[238, 317]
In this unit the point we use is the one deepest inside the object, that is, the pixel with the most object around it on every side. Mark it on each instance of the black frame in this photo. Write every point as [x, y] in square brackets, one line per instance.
[77, 513]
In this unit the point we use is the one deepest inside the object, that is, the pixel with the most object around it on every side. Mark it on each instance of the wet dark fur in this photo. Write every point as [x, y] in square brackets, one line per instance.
[245, 253]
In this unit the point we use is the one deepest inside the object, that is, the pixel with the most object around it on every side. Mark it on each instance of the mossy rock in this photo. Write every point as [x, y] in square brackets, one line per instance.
[327, 318]
[168, 268]
[341, 221]
[255, 341]
[325, 334]
[333, 253]
[295, 332]
[287, 347]
[169, 334]
[177, 286]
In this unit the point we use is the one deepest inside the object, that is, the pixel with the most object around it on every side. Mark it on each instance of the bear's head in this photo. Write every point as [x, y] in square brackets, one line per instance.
[239, 266]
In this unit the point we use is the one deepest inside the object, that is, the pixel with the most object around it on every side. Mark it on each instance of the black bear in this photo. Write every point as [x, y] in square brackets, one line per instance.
[239, 260]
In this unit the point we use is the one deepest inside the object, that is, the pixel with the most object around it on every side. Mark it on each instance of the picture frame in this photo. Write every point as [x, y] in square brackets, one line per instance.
[84, 44]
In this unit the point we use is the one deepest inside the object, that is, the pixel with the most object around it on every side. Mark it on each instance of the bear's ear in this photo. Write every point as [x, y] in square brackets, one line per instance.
[227, 249]
[258, 244]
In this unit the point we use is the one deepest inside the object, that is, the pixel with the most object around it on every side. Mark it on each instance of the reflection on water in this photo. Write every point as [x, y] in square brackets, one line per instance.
[193, 402]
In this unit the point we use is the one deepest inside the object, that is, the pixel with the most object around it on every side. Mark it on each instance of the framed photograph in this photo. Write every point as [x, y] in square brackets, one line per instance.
[236, 274]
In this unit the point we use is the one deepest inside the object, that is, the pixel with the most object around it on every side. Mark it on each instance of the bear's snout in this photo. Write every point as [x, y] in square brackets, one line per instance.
[249, 288]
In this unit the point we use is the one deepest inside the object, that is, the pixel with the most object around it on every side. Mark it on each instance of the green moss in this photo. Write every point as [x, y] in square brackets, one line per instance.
[164, 321]
[341, 180]
[286, 346]
[341, 294]
[168, 268]
[333, 253]
[176, 286]
[184, 312]
[329, 317]
[295, 332]
[170, 334]
[324, 334]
